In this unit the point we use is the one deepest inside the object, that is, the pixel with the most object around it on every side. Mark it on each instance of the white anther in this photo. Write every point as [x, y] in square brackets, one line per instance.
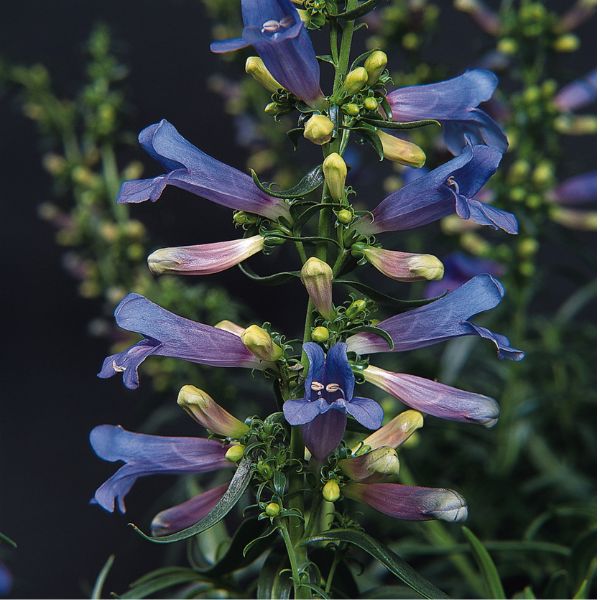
[332, 387]
[118, 368]
[270, 26]
[316, 386]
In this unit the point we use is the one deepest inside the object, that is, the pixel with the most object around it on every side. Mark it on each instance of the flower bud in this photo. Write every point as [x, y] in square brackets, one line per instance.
[274, 109]
[375, 65]
[356, 308]
[401, 151]
[331, 491]
[371, 103]
[261, 344]
[320, 334]
[582, 220]
[351, 109]
[264, 469]
[345, 216]
[404, 266]
[396, 432]
[231, 327]
[317, 278]
[566, 43]
[376, 465]
[508, 46]
[203, 409]
[235, 453]
[355, 80]
[543, 174]
[528, 246]
[256, 68]
[318, 129]
[272, 509]
[243, 218]
[335, 171]
[575, 124]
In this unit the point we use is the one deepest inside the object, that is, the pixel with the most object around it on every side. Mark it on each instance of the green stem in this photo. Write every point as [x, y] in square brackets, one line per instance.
[291, 552]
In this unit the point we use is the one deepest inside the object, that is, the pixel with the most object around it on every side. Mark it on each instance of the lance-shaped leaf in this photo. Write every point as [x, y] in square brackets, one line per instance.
[309, 183]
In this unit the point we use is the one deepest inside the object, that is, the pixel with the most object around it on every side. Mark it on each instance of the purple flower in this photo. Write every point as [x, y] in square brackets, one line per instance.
[458, 269]
[192, 170]
[455, 103]
[167, 334]
[6, 580]
[328, 397]
[577, 94]
[441, 320]
[408, 502]
[145, 455]
[277, 33]
[435, 398]
[580, 189]
[451, 188]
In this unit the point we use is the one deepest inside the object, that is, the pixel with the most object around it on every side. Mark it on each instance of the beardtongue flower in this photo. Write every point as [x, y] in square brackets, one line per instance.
[410, 503]
[328, 397]
[194, 171]
[167, 334]
[449, 189]
[377, 465]
[435, 398]
[394, 433]
[580, 189]
[204, 259]
[277, 33]
[455, 104]
[402, 266]
[317, 277]
[439, 321]
[577, 94]
[145, 455]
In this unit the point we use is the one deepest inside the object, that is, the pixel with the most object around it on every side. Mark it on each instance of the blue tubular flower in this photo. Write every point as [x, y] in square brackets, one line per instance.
[192, 170]
[5, 581]
[458, 269]
[580, 189]
[149, 455]
[328, 397]
[277, 33]
[577, 94]
[455, 103]
[451, 188]
[441, 320]
[167, 334]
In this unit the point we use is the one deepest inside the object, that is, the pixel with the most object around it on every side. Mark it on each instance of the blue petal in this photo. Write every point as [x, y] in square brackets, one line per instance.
[480, 128]
[338, 370]
[577, 94]
[366, 411]
[167, 334]
[149, 455]
[5, 580]
[223, 46]
[323, 434]
[484, 214]
[316, 366]
[502, 343]
[300, 412]
[197, 172]
[580, 189]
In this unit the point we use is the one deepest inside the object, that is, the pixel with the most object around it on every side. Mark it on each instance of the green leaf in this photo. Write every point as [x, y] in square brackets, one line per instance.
[237, 487]
[101, 579]
[384, 299]
[376, 331]
[360, 59]
[295, 134]
[359, 11]
[271, 582]
[4, 538]
[557, 586]
[492, 584]
[309, 183]
[584, 587]
[384, 555]
[306, 214]
[327, 58]
[407, 125]
[275, 279]
[370, 135]
[159, 580]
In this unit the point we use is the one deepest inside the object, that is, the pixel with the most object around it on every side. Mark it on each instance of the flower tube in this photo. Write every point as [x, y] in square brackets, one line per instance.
[404, 266]
[396, 432]
[577, 94]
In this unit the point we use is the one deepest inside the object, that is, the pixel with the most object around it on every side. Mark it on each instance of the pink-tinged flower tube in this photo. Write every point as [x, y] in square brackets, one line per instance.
[439, 321]
[317, 278]
[195, 171]
[577, 94]
[394, 433]
[410, 503]
[378, 465]
[187, 513]
[204, 259]
[486, 18]
[404, 266]
[433, 398]
[580, 189]
[167, 334]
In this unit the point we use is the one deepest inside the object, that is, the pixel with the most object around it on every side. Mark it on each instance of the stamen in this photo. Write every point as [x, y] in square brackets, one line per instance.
[332, 387]
[118, 368]
[452, 183]
[316, 386]
[270, 26]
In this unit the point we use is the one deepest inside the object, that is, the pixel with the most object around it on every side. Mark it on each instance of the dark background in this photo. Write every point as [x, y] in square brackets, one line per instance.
[50, 395]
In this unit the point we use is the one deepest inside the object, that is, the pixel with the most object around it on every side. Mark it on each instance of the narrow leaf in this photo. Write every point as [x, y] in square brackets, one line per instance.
[492, 584]
[101, 579]
[375, 330]
[360, 59]
[407, 125]
[359, 11]
[309, 183]
[237, 487]
[271, 582]
[384, 299]
[4, 538]
[275, 279]
[384, 555]
[370, 135]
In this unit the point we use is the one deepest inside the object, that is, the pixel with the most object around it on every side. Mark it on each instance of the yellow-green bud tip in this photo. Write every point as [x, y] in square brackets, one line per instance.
[317, 278]
[320, 334]
[260, 343]
[401, 151]
[345, 216]
[351, 109]
[335, 171]
[375, 65]
[318, 129]
[331, 491]
[235, 453]
[256, 68]
[355, 80]
[272, 509]
[566, 43]
[426, 266]
[371, 103]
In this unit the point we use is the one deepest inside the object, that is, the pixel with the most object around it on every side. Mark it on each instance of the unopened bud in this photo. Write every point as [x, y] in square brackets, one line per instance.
[317, 278]
[335, 171]
[331, 491]
[519, 171]
[355, 80]
[230, 326]
[376, 465]
[371, 103]
[256, 68]
[318, 129]
[351, 109]
[375, 65]
[507, 46]
[320, 334]
[404, 266]
[272, 509]
[203, 409]
[345, 216]
[235, 453]
[528, 246]
[543, 174]
[243, 218]
[566, 43]
[356, 308]
[397, 431]
[264, 469]
[274, 109]
[261, 344]
[575, 124]
[575, 219]
[401, 151]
